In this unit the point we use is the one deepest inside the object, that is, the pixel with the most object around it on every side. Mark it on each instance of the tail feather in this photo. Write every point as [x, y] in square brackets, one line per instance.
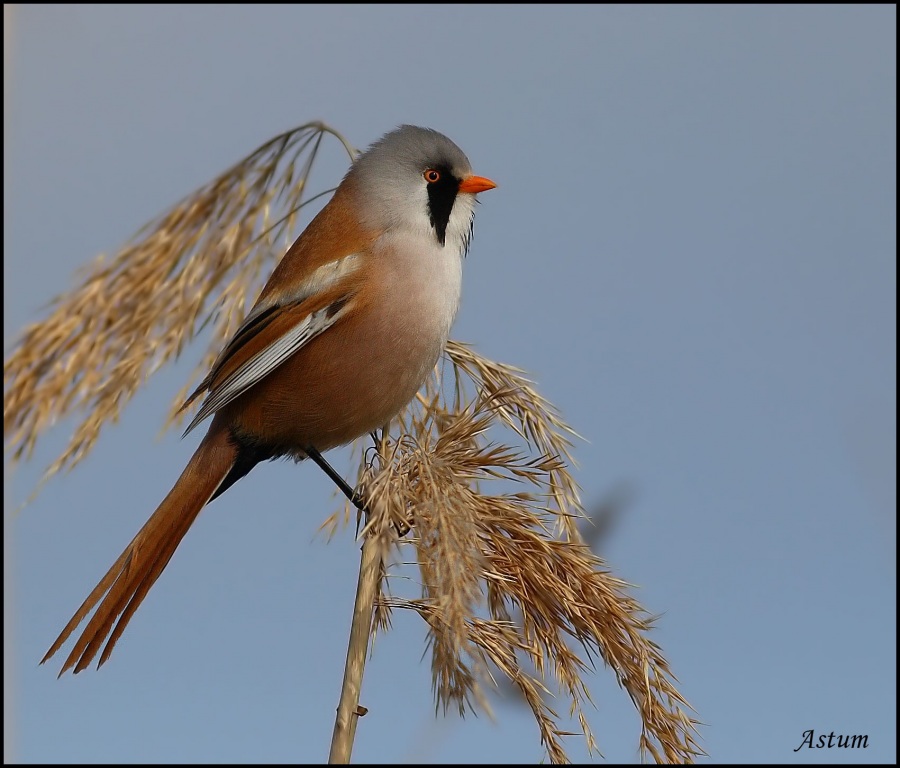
[162, 560]
[124, 587]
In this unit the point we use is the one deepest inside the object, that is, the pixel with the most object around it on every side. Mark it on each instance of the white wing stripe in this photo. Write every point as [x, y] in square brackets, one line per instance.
[265, 361]
[320, 280]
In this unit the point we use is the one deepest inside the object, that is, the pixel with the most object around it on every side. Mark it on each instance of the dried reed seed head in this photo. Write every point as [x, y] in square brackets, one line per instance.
[136, 312]
[486, 557]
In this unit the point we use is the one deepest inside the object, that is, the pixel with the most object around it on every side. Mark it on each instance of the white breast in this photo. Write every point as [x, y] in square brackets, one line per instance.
[422, 282]
[419, 279]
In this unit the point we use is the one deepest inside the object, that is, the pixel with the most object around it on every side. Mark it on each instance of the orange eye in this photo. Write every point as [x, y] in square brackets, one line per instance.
[432, 176]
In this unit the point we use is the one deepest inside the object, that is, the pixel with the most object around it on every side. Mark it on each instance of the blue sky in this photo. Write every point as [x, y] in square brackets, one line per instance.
[692, 251]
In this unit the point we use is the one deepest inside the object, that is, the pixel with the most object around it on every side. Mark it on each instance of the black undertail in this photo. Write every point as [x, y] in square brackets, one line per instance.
[250, 453]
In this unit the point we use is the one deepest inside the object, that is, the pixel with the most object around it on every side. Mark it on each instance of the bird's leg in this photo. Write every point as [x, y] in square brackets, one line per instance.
[355, 499]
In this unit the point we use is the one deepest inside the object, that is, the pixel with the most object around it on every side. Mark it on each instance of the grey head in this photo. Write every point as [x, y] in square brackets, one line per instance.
[410, 179]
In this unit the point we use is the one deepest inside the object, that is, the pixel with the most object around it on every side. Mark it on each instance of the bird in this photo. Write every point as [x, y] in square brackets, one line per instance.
[340, 339]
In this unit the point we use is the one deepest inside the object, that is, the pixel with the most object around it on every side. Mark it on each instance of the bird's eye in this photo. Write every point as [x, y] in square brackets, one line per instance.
[432, 176]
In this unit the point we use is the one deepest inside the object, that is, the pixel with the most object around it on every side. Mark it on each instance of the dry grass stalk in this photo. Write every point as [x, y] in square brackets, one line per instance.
[375, 549]
[482, 557]
[132, 314]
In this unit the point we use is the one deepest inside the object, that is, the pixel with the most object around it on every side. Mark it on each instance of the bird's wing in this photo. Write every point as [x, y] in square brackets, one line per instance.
[276, 328]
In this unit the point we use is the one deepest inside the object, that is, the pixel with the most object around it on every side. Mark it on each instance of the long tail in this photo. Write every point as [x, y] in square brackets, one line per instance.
[126, 584]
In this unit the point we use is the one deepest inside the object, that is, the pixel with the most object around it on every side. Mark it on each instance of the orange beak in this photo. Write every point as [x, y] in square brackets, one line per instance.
[475, 184]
